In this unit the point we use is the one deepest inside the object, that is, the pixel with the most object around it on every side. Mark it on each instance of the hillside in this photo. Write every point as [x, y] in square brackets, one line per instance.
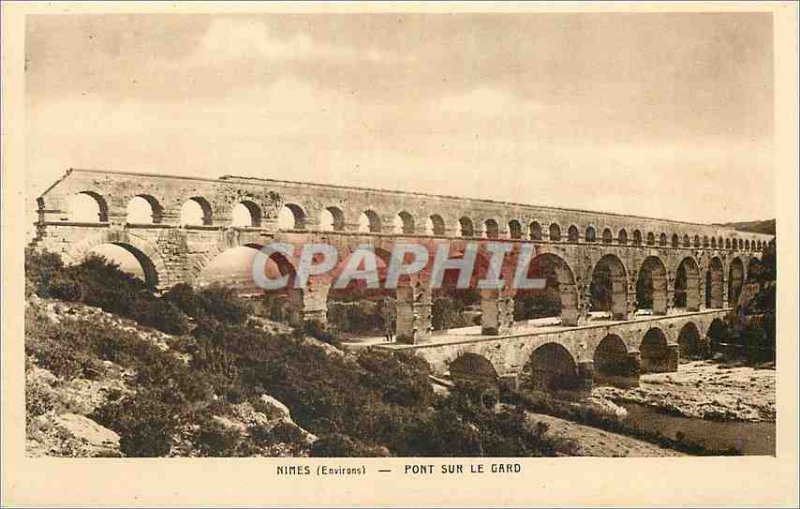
[112, 370]
[766, 226]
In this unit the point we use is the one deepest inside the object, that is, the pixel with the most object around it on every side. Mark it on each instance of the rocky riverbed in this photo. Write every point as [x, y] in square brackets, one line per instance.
[704, 390]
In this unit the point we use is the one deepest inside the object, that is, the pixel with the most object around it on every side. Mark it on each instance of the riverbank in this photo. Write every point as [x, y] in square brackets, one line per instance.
[703, 390]
[592, 441]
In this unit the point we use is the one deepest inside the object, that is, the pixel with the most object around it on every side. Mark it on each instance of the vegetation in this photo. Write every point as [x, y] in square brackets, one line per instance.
[749, 332]
[97, 282]
[766, 226]
[539, 304]
[374, 403]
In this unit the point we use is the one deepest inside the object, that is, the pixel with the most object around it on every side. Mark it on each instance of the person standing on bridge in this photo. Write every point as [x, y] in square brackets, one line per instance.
[389, 323]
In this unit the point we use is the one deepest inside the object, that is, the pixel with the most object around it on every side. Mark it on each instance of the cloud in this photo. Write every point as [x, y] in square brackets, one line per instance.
[233, 39]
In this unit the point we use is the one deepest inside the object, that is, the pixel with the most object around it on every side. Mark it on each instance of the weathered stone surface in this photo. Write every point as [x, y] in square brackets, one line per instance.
[69, 435]
[277, 408]
[85, 429]
[678, 258]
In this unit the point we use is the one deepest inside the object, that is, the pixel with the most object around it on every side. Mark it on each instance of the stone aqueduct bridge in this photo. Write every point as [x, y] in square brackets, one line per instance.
[695, 271]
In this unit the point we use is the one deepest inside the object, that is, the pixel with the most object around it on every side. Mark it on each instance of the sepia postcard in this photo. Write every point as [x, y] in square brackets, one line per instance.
[399, 254]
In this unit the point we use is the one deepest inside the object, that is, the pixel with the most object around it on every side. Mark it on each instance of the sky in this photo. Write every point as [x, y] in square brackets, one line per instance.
[661, 115]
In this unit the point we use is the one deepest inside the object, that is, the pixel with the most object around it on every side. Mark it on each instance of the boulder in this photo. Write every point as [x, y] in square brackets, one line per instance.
[230, 424]
[97, 439]
[274, 408]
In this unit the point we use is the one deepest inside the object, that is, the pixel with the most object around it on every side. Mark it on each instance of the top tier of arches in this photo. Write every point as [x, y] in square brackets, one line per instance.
[308, 207]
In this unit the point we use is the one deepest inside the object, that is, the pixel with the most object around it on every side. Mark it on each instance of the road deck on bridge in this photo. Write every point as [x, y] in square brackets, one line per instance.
[527, 328]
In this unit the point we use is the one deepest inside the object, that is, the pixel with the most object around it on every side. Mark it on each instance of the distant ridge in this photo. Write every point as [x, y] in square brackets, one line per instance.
[766, 226]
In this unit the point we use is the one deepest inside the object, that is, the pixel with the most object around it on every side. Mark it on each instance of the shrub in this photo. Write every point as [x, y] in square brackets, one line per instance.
[341, 446]
[64, 288]
[401, 378]
[538, 304]
[359, 315]
[223, 304]
[162, 315]
[446, 313]
[61, 348]
[318, 330]
[40, 270]
[145, 424]
[98, 282]
[287, 433]
[183, 296]
[39, 398]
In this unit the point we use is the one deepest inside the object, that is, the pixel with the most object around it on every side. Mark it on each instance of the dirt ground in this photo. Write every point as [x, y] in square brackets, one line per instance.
[704, 390]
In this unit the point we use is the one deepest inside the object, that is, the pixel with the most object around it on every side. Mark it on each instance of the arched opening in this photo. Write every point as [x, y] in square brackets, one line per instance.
[608, 237]
[369, 222]
[714, 284]
[357, 310]
[246, 215]
[637, 238]
[651, 287]
[536, 231]
[233, 268]
[705, 241]
[331, 219]
[713, 242]
[609, 288]
[747, 245]
[590, 235]
[467, 230]
[656, 356]
[552, 368]
[662, 239]
[492, 229]
[455, 307]
[129, 259]
[291, 217]
[696, 241]
[611, 362]
[727, 243]
[404, 223]
[622, 237]
[144, 209]
[719, 243]
[555, 232]
[514, 229]
[717, 336]
[651, 239]
[691, 345]
[558, 298]
[686, 241]
[474, 367]
[675, 242]
[88, 207]
[196, 211]
[572, 233]
[687, 285]
[435, 225]
[735, 281]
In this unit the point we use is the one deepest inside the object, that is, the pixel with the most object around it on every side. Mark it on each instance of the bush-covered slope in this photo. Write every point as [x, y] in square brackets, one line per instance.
[193, 373]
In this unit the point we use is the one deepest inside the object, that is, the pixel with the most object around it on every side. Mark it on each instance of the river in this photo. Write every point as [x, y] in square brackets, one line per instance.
[751, 438]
